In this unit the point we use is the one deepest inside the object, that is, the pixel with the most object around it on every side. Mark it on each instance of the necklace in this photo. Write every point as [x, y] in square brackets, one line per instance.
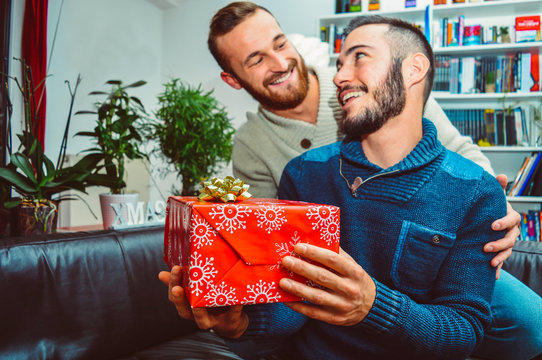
[357, 181]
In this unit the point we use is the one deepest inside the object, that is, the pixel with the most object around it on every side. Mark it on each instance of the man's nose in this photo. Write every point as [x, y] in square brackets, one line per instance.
[279, 63]
[343, 75]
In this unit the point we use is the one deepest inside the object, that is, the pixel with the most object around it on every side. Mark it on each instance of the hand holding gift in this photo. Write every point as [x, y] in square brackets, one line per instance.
[227, 321]
[348, 294]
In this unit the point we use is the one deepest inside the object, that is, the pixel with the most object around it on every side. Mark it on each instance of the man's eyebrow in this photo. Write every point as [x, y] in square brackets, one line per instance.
[257, 52]
[350, 51]
[356, 47]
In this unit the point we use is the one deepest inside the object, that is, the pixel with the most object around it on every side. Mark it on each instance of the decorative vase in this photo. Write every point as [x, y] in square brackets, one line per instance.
[115, 208]
[35, 219]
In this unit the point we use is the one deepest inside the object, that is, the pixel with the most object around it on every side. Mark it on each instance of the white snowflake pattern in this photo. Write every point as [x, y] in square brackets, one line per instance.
[230, 217]
[201, 272]
[261, 293]
[220, 295]
[284, 249]
[201, 233]
[321, 215]
[270, 217]
[330, 232]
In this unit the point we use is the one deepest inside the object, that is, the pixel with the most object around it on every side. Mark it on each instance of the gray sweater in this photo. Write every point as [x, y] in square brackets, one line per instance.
[266, 142]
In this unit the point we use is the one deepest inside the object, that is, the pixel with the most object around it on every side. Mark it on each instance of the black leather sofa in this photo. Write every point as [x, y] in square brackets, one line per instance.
[93, 295]
[96, 295]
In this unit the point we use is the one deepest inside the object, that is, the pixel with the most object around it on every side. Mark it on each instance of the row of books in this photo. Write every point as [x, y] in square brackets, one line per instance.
[457, 33]
[528, 180]
[333, 35]
[505, 127]
[515, 72]
[445, 2]
[530, 226]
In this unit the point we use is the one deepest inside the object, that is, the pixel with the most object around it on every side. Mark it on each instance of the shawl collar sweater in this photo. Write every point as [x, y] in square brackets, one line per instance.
[417, 228]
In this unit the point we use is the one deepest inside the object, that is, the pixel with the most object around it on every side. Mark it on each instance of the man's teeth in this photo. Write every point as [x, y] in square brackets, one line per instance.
[351, 95]
[282, 79]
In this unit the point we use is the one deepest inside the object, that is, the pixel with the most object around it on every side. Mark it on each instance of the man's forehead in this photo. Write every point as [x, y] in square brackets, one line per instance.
[372, 33]
[253, 34]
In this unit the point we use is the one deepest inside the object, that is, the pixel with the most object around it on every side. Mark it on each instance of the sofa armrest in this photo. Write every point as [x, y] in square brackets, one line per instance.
[526, 264]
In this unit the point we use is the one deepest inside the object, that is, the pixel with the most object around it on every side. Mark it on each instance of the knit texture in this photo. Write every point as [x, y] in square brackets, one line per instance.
[265, 143]
[418, 228]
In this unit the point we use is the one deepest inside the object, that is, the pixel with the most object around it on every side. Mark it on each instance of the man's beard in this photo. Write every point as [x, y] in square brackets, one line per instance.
[390, 98]
[277, 101]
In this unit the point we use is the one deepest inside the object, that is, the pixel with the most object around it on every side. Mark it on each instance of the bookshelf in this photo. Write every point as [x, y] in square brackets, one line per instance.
[488, 14]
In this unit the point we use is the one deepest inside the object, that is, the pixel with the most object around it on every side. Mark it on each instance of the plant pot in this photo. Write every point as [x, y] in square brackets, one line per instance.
[490, 88]
[6, 222]
[110, 202]
[35, 220]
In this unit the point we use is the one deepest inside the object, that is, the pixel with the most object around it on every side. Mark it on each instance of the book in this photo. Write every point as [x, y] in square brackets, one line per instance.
[534, 187]
[528, 173]
[510, 123]
[342, 6]
[472, 35]
[527, 28]
[512, 188]
[374, 5]
[467, 75]
[489, 128]
[535, 71]
[355, 5]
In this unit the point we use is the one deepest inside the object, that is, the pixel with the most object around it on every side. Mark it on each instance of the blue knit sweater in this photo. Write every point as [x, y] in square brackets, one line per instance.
[418, 228]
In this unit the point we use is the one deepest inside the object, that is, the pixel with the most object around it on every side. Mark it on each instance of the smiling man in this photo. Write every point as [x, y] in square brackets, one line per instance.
[252, 50]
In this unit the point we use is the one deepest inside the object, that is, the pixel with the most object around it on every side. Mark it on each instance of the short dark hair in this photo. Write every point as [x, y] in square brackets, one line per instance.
[224, 21]
[405, 39]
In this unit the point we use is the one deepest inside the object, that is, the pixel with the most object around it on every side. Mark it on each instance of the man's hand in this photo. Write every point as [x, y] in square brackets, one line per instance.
[511, 223]
[227, 321]
[348, 291]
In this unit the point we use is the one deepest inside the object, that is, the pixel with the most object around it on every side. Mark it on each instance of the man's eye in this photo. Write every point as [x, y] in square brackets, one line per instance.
[256, 61]
[281, 45]
[359, 55]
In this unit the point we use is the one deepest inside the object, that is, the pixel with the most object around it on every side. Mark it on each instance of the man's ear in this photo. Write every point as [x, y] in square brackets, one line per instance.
[231, 80]
[416, 69]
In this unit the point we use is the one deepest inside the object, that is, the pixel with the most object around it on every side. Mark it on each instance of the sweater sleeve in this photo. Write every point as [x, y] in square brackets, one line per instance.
[453, 322]
[450, 137]
[248, 167]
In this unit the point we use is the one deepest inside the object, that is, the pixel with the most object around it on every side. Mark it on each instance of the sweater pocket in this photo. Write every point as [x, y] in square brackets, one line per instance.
[419, 254]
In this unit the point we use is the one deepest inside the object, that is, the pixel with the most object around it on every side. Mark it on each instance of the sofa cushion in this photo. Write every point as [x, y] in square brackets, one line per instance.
[525, 263]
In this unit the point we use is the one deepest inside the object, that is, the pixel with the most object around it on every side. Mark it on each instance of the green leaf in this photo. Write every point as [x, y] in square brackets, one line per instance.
[23, 163]
[18, 181]
[136, 84]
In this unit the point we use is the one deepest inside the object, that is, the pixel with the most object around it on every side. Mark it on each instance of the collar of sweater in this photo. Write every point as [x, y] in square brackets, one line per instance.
[398, 182]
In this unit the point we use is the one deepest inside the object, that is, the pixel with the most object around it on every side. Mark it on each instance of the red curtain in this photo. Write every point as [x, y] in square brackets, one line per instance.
[34, 53]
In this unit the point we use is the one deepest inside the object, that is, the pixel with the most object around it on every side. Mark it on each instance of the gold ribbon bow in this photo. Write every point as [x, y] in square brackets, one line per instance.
[228, 189]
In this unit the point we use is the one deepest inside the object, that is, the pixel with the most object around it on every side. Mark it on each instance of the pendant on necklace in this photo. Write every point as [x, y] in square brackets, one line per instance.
[354, 187]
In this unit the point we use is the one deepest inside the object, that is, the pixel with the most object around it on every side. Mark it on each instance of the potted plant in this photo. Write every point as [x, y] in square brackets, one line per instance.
[38, 182]
[193, 133]
[116, 138]
[489, 81]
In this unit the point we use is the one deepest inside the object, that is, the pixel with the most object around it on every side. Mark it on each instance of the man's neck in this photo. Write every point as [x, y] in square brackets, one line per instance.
[395, 140]
[308, 110]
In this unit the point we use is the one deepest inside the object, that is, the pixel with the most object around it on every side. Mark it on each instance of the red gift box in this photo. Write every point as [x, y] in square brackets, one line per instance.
[230, 253]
